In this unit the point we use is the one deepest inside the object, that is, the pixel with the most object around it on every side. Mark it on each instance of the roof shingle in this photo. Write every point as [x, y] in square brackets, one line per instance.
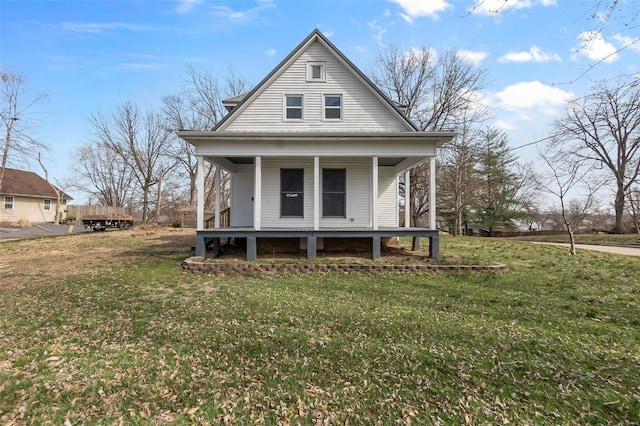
[21, 182]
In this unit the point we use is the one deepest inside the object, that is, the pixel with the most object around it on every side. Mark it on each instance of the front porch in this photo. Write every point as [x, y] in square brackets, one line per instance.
[211, 238]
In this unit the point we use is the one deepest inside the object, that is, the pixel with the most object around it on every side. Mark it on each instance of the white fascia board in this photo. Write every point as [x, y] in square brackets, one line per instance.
[326, 149]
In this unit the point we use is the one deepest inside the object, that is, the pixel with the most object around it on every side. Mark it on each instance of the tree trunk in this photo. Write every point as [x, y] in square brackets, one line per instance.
[619, 208]
[572, 241]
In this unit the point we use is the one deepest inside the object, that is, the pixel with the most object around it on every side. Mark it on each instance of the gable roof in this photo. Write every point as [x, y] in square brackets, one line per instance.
[29, 184]
[236, 104]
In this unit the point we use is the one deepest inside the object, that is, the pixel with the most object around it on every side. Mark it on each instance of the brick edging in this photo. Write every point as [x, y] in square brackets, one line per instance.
[197, 265]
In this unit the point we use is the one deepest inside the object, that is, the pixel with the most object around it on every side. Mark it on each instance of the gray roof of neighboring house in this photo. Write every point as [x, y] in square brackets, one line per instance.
[29, 184]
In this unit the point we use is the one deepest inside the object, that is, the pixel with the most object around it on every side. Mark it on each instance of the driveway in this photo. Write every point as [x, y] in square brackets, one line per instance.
[8, 232]
[628, 251]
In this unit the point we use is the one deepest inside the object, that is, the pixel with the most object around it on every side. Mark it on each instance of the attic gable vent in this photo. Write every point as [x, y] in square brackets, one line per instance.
[316, 71]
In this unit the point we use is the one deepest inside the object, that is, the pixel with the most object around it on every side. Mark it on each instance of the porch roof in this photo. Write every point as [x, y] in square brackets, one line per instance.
[196, 137]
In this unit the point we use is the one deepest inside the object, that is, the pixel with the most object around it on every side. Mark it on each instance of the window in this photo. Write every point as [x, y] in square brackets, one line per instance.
[316, 71]
[47, 205]
[291, 192]
[334, 191]
[8, 203]
[293, 107]
[333, 107]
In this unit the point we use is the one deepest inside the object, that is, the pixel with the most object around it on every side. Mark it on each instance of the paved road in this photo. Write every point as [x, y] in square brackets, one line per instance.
[10, 232]
[629, 251]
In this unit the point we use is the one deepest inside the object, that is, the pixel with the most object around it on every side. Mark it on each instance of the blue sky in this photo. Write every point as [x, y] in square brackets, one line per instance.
[90, 55]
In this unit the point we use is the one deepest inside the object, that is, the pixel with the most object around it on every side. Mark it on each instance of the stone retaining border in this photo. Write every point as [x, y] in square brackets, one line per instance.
[197, 265]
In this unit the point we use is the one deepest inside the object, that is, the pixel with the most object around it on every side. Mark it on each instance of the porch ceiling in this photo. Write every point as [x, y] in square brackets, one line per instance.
[382, 161]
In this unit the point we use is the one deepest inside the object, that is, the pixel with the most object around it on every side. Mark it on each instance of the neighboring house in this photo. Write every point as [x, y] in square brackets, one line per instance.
[27, 196]
[314, 151]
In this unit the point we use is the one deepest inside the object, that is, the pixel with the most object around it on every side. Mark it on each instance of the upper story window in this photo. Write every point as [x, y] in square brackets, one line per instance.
[333, 107]
[8, 203]
[293, 107]
[316, 71]
[47, 205]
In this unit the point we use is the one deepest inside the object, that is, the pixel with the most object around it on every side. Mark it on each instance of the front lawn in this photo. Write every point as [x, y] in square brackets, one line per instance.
[121, 335]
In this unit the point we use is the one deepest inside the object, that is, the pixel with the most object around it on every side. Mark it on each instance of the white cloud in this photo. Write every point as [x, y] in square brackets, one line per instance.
[378, 31]
[504, 125]
[414, 9]
[100, 27]
[535, 54]
[185, 6]
[496, 7]
[626, 42]
[271, 52]
[240, 15]
[473, 57]
[596, 48]
[530, 98]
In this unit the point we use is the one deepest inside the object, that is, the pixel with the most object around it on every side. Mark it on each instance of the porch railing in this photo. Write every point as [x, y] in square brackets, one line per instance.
[225, 219]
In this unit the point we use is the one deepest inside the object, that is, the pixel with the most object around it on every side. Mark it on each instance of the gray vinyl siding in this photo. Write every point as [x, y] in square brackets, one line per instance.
[361, 110]
[387, 197]
[242, 182]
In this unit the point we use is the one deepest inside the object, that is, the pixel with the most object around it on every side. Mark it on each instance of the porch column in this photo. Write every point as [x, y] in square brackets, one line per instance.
[216, 219]
[407, 199]
[200, 195]
[257, 194]
[432, 193]
[374, 194]
[316, 193]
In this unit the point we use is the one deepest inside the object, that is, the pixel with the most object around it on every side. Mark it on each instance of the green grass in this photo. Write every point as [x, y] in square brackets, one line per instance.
[555, 340]
[598, 239]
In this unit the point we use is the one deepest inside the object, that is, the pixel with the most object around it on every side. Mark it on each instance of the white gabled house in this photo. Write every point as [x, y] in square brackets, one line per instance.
[314, 151]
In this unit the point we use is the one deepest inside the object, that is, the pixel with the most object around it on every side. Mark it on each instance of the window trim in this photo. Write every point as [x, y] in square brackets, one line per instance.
[323, 71]
[9, 202]
[298, 194]
[339, 108]
[285, 107]
[344, 194]
[46, 206]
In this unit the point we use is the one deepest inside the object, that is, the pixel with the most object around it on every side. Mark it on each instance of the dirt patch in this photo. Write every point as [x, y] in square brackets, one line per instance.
[42, 261]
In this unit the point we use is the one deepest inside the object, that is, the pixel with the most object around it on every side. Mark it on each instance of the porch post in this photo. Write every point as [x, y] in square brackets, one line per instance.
[316, 193]
[432, 193]
[407, 199]
[257, 194]
[200, 195]
[374, 194]
[216, 220]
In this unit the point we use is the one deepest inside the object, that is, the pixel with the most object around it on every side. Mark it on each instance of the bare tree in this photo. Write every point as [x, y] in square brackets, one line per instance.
[569, 177]
[633, 207]
[437, 92]
[101, 168]
[604, 128]
[16, 102]
[58, 192]
[199, 107]
[141, 140]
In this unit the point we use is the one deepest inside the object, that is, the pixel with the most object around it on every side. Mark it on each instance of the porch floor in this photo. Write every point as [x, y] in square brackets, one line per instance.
[212, 237]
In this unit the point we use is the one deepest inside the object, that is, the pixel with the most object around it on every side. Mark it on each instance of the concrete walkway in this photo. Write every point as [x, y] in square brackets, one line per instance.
[628, 251]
